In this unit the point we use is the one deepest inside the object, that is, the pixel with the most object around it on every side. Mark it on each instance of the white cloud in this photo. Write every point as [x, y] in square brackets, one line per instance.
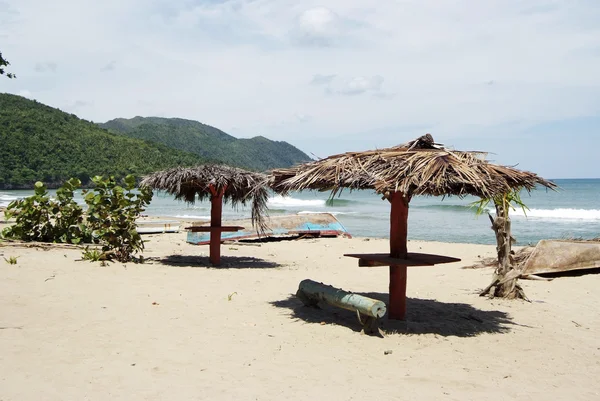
[359, 85]
[462, 68]
[334, 85]
[319, 26]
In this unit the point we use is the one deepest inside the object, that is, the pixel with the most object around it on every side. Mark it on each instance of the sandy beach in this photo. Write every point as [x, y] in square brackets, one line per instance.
[174, 329]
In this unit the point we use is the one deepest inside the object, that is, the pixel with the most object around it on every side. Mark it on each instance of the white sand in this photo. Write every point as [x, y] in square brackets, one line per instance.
[165, 330]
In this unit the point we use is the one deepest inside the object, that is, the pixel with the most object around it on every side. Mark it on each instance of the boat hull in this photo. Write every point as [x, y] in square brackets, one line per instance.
[313, 224]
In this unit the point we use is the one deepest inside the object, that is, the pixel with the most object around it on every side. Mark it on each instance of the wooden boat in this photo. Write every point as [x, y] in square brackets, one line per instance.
[553, 256]
[309, 224]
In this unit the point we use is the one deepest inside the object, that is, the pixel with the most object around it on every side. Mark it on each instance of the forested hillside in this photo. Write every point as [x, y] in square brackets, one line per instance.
[258, 153]
[38, 142]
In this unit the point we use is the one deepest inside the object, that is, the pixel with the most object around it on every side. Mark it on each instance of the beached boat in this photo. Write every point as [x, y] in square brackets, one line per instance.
[553, 256]
[309, 224]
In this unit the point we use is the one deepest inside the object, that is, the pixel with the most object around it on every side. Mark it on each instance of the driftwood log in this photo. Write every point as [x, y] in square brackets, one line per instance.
[368, 310]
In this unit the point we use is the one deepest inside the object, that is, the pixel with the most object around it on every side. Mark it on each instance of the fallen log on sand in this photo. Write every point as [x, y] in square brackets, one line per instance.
[368, 310]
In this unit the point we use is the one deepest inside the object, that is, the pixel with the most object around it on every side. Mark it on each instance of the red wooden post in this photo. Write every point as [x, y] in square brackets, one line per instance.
[398, 249]
[216, 209]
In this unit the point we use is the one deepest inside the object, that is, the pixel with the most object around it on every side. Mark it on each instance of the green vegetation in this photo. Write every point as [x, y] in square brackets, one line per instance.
[41, 143]
[40, 218]
[12, 260]
[110, 220]
[258, 153]
[4, 63]
[112, 213]
[93, 255]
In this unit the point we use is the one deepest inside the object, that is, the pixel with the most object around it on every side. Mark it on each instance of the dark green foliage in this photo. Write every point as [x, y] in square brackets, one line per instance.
[40, 143]
[258, 153]
[4, 63]
[112, 213]
[40, 218]
[110, 221]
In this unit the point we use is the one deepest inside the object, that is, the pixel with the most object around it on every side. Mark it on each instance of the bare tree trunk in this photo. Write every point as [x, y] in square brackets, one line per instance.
[505, 281]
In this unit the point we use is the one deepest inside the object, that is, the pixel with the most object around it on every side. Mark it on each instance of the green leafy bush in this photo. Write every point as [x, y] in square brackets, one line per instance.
[112, 213]
[110, 219]
[41, 218]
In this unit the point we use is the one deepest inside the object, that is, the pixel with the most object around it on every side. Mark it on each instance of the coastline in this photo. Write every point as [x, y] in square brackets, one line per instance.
[174, 328]
[571, 213]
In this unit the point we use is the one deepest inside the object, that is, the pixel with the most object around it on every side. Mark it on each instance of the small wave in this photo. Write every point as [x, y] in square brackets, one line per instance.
[286, 201]
[340, 202]
[562, 214]
[451, 208]
[271, 210]
[6, 199]
[192, 216]
[333, 212]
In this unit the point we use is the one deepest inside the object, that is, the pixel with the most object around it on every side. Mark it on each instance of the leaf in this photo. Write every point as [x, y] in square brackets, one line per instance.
[130, 181]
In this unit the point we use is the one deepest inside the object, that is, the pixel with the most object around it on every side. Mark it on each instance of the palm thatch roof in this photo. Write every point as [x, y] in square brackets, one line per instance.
[194, 183]
[419, 167]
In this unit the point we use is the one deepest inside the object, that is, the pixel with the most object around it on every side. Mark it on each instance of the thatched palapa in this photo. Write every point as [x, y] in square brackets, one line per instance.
[419, 167]
[221, 184]
[239, 186]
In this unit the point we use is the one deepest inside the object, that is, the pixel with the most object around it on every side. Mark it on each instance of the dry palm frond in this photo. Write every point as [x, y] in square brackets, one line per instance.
[194, 183]
[518, 259]
[420, 167]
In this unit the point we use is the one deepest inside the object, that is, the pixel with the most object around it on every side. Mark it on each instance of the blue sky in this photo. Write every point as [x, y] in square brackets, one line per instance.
[516, 78]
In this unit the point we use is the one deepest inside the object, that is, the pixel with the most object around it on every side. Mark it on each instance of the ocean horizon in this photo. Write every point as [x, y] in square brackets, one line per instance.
[573, 211]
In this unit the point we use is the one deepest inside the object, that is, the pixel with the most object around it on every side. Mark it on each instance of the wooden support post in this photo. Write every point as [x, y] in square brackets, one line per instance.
[216, 209]
[398, 249]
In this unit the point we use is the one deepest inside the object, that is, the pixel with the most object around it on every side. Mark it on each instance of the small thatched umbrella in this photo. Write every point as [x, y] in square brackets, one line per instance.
[420, 167]
[218, 183]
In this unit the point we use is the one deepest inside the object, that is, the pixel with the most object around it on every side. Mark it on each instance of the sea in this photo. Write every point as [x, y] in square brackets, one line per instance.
[572, 211]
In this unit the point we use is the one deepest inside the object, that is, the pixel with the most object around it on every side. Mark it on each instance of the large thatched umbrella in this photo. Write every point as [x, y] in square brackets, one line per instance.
[420, 167]
[218, 183]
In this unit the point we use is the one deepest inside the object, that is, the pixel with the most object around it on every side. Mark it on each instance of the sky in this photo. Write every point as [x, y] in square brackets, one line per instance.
[519, 79]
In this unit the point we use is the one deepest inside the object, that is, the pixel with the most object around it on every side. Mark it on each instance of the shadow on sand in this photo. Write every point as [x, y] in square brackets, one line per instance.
[424, 316]
[571, 273]
[227, 262]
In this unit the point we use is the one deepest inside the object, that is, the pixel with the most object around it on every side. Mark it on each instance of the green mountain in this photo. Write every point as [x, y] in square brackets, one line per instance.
[38, 142]
[258, 153]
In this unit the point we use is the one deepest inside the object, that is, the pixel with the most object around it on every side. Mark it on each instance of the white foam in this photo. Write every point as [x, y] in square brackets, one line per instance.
[6, 199]
[192, 216]
[560, 214]
[335, 213]
[279, 201]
